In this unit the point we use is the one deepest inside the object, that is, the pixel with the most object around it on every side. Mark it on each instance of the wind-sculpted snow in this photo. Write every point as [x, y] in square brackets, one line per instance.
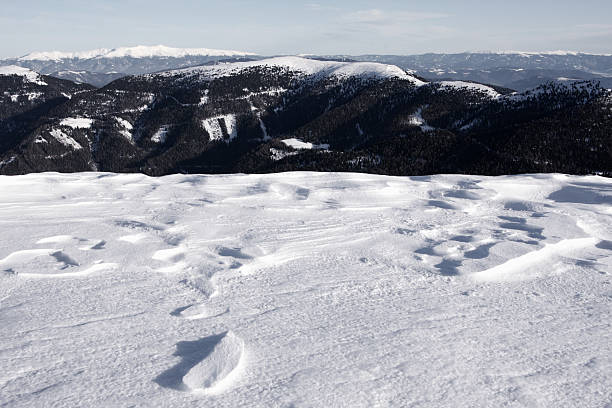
[305, 289]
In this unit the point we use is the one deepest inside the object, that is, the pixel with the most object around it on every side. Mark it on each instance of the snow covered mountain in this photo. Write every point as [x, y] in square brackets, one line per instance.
[515, 70]
[300, 66]
[293, 113]
[101, 66]
[133, 52]
[305, 289]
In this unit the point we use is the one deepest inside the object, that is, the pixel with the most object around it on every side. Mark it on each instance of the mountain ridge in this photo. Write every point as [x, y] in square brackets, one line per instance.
[268, 116]
[518, 70]
[139, 51]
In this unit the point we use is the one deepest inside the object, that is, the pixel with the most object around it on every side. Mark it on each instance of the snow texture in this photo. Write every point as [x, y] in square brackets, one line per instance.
[27, 74]
[139, 51]
[305, 289]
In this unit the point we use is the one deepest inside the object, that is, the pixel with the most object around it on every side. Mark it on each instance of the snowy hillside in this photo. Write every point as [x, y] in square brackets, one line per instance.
[305, 289]
[470, 86]
[304, 66]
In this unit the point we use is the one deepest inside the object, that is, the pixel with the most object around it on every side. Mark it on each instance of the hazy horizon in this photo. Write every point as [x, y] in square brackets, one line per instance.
[305, 27]
[550, 52]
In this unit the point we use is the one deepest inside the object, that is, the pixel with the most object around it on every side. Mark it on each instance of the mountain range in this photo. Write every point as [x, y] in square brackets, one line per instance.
[515, 70]
[102, 66]
[295, 113]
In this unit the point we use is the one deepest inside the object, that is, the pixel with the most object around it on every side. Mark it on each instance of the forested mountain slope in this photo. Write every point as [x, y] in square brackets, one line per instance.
[294, 113]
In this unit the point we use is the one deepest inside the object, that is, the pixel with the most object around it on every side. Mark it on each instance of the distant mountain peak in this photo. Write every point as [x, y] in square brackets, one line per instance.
[140, 51]
[560, 53]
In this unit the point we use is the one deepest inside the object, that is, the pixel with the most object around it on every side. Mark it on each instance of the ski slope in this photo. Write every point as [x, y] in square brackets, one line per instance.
[305, 289]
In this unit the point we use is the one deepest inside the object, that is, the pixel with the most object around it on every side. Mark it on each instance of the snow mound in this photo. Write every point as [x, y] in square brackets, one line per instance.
[28, 74]
[533, 263]
[216, 372]
[305, 66]
[139, 51]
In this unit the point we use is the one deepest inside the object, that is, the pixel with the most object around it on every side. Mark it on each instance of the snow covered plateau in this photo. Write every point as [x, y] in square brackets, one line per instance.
[305, 289]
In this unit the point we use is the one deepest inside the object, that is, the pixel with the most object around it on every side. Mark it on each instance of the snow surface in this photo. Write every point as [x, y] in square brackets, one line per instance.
[305, 289]
[77, 123]
[304, 66]
[471, 86]
[140, 51]
[298, 144]
[27, 74]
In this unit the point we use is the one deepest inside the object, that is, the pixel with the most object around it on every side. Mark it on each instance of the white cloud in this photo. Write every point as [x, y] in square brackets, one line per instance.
[417, 25]
[377, 17]
[320, 7]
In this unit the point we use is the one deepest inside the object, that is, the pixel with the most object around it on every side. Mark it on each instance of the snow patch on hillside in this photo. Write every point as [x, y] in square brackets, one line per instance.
[277, 154]
[215, 127]
[64, 139]
[298, 144]
[161, 135]
[77, 123]
[27, 74]
[416, 119]
[126, 128]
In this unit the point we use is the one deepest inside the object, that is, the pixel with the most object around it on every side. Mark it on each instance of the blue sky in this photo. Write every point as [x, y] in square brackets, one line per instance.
[290, 27]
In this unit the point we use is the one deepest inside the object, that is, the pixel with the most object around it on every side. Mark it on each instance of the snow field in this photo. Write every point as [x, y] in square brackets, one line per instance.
[305, 289]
